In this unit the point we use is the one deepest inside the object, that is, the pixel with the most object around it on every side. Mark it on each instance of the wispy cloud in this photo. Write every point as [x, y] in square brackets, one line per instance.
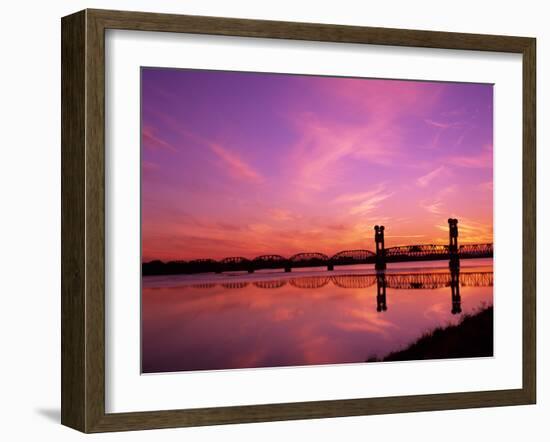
[460, 111]
[327, 142]
[425, 180]
[151, 140]
[388, 98]
[438, 200]
[230, 160]
[282, 215]
[434, 207]
[459, 140]
[441, 128]
[324, 149]
[470, 231]
[482, 160]
[476, 162]
[367, 202]
[354, 197]
[441, 124]
[235, 165]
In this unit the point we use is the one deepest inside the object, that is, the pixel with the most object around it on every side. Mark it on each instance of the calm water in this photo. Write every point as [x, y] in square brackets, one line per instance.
[309, 316]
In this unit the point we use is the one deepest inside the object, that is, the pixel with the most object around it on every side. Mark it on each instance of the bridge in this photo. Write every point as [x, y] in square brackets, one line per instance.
[380, 257]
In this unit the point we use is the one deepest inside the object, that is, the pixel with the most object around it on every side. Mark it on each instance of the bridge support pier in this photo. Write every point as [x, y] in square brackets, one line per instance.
[288, 269]
[380, 263]
[454, 261]
[330, 267]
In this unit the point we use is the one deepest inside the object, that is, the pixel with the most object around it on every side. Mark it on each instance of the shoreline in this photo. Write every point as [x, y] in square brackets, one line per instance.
[472, 337]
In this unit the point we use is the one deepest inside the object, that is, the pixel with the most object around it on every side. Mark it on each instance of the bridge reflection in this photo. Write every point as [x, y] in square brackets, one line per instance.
[404, 281]
[381, 285]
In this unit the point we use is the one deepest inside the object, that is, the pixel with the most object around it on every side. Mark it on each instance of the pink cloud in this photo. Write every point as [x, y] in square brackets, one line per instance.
[471, 231]
[152, 141]
[324, 146]
[434, 207]
[236, 166]
[283, 215]
[384, 99]
[440, 124]
[482, 160]
[361, 196]
[426, 179]
[370, 203]
[479, 161]
[230, 161]
[326, 142]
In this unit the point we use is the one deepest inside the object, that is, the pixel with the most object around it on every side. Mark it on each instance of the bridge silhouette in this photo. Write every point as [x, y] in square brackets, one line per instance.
[380, 257]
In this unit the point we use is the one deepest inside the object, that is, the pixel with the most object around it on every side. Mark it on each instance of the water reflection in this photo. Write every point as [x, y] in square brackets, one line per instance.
[381, 304]
[455, 290]
[241, 321]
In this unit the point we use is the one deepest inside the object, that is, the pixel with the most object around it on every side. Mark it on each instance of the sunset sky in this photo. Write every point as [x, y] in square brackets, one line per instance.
[244, 164]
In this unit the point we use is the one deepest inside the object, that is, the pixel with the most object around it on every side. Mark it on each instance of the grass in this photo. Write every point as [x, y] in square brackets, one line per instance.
[471, 337]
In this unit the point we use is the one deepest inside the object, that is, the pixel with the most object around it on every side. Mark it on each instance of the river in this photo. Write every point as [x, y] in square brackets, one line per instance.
[307, 317]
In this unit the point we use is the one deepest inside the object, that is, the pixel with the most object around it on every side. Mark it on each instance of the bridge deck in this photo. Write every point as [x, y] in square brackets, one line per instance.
[425, 252]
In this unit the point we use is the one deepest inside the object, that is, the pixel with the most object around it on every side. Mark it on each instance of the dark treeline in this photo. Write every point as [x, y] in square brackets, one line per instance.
[178, 267]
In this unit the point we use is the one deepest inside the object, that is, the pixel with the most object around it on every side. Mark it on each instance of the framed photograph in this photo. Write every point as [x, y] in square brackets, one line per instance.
[269, 220]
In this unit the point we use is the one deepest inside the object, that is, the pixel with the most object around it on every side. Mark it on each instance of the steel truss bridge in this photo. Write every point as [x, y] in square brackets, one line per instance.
[422, 252]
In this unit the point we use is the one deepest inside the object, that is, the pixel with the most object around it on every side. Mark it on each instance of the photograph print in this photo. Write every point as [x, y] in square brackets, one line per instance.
[299, 220]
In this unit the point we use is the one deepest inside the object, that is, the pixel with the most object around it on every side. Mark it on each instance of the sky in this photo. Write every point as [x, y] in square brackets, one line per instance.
[245, 164]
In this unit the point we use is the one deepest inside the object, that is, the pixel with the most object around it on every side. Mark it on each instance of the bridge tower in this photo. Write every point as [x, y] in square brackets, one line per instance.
[454, 261]
[381, 292]
[380, 263]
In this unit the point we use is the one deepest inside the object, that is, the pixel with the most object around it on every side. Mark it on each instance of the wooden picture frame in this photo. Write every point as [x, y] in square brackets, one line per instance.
[83, 220]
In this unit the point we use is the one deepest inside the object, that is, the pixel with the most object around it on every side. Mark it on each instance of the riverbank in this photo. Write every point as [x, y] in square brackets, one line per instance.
[472, 337]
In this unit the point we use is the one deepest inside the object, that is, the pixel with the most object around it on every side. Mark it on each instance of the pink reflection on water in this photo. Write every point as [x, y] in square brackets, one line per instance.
[325, 318]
